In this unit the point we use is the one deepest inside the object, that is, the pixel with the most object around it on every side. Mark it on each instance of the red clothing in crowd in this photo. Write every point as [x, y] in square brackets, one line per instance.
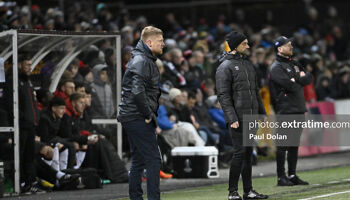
[309, 93]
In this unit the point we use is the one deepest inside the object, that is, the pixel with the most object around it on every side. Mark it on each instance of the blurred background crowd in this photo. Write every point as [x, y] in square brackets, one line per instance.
[194, 34]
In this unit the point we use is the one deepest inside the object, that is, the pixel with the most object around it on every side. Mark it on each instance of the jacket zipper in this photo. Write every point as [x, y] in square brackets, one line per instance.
[250, 92]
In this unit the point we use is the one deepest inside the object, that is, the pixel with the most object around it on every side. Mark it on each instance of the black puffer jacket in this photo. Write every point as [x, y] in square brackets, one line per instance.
[286, 86]
[237, 88]
[140, 86]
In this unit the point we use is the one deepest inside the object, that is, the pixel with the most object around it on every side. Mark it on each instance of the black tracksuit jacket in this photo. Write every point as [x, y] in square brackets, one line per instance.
[287, 95]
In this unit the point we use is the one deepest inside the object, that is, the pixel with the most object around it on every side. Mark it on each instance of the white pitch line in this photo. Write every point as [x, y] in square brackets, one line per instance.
[333, 182]
[326, 195]
[187, 191]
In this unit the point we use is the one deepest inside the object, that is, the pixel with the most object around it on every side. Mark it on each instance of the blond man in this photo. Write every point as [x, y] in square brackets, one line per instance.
[138, 111]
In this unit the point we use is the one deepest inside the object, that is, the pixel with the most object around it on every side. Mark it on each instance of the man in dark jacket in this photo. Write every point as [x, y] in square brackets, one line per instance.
[287, 79]
[28, 121]
[72, 126]
[138, 110]
[238, 93]
[49, 125]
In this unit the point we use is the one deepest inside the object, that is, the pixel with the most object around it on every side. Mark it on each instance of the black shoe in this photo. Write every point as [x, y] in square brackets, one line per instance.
[297, 181]
[25, 189]
[68, 178]
[69, 182]
[234, 196]
[284, 181]
[34, 188]
[252, 194]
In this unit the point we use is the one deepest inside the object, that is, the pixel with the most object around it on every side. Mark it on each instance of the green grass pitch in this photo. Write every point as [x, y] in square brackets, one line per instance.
[333, 181]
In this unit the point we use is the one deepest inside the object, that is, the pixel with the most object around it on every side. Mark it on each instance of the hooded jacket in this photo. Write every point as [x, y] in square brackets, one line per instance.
[286, 86]
[140, 86]
[102, 103]
[237, 88]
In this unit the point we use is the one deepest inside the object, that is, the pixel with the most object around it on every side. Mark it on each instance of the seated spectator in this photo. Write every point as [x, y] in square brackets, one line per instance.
[48, 130]
[172, 69]
[87, 75]
[73, 68]
[217, 115]
[70, 126]
[210, 137]
[46, 169]
[176, 115]
[195, 74]
[172, 133]
[340, 85]
[110, 59]
[65, 88]
[102, 96]
[48, 68]
[165, 83]
[200, 111]
[215, 111]
[208, 88]
[100, 153]
[102, 129]
[323, 89]
[80, 88]
[43, 97]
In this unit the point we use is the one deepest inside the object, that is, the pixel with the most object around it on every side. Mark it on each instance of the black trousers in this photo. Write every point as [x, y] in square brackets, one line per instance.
[241, 164]
[292, 159]
[27, 154]
[45, 171]
[145, 155]
[290, 151]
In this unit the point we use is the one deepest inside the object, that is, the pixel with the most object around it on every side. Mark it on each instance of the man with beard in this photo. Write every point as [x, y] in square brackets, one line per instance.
[287, 79]
[28, 121]
[138, 110]
[238, 94]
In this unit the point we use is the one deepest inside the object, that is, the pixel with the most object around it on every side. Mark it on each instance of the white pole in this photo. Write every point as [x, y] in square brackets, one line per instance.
[119, 82]
[15, 111]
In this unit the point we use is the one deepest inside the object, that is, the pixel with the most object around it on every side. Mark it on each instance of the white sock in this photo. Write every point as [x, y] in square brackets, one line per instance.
[55, 162]
[80, 155]
[64, 159]
[59, 174]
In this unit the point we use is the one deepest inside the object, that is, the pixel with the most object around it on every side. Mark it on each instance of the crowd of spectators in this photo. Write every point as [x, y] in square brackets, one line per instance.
[189, 113]
[57, 137]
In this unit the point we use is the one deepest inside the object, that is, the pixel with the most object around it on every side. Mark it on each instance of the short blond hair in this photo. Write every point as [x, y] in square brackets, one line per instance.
[150, 31]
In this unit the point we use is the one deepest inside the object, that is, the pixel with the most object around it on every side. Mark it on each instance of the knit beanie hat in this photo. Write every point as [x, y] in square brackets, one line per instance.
[57, 101]
[235, 38]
